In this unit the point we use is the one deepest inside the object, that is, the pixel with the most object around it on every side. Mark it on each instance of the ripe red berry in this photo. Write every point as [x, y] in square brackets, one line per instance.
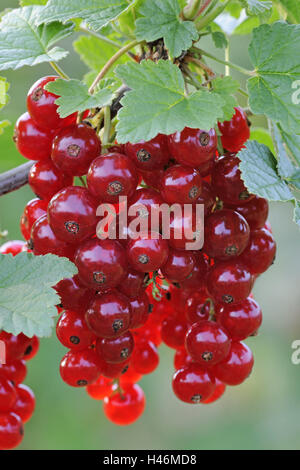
[145, 204]
[114, 371]
[125, 407]
[181, 184]
[207, 343]
[197, 307]
[145, 358]
[73, 332]
[45, 179]
[197, 278]
[74, 148]
[139, 311]
[73, 294]
[25, 403]
[43, 240]
[193, 147]
[32, 348]
[130, 376]
[150, 155]
[32, 142]
[226, 234]
[72, 214]
[101, 264]
[42, 108]
[146, 253]
[182, 358]
[112, 175]
[13, 247]
[15, 371]
[240, 320]
[8, 395]
[80, 368]
[192, 384]
[11, 431]
[207, 198]
[235, 132]
[15, 346]
[103, 387]
[173, 331]
[255, 212]
[260, 252]
[227, 182]
[133, 284]
[186, 229]
[179, 265]
[229, 282]
[152, 178]
[34, 209]
[109, 315]
[217, 393]
[237, 366]
[116, 350]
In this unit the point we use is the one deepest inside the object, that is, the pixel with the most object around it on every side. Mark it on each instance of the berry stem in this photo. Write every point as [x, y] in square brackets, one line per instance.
[107, 125]
[205, 20]
[193, 9]
[115, 44]
[224, 62]
[58, 70]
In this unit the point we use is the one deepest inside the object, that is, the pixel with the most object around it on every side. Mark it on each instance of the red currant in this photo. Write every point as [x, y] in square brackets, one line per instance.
[32, 142]
[255, 212]
[139, 311]
[15, 371]
[207, 198]
[235, 132]
[192, 384]
[145, 204]
[238, 365]
[80, 368]
[193, 147]
[43, 240]
[13, 247]
[181, 184]
[15, 346]
[126, 406]
[218, 392]
[11, 431]
[116, 350]
[182, 358]
[150, 155]
[73, 332]
[8, 395]
[133, 284]
[197, 307]
[179, 265]
[34, 209]
[173, 331]
[103, 387]
[260, 252]
[229, 282]
[240, 320]
[73, 294]
[46, 180]
[25, 404]
[32, 349]
[146, 253]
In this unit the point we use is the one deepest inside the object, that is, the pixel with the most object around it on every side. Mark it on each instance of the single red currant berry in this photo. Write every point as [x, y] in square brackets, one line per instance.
[73, 332]
[42, 108]
[197, 278]
[130, 377]
[151, 331]
[147, 253]
[181, 184]
[112, 175]
[227, 182]
[182, 359]
[240, 320]
[34, 209]
[179, 265]
[152, 178]
[140, 308]
[109, 315]
[15, 346]
[229, 282]
[74, 148]
[145, 358]
[173, 331]
[226, 234]
[125, 407]
[13, 247]
[116, 350]
[197, 307]
[150, 155]
[11, 431]
[80, 368]
[73, 294]
[25, 403]
[192, 384]
[133, 284]
[260, 252]
[45, 179]
[114, 370]
[14, 371]
[235, 132]
[237, 367]
[8, 395]
[207, 198]
[207, 343]
[101, 264]
[217, 393]
[193, 147]
[256, 212]
[186, 229]
[32, 349]
[103, 387]
[32, 142]
[43, 240]
[72, 214]
[145, 204]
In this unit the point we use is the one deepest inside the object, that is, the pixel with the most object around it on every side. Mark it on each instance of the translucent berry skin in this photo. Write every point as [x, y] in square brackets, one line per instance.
[73, 294]
[101, 264]
[8, 395]
[226, 234]
[236, 368]
[125, 409]
[153, 178]
[116, 350]
[103, 387]
[15, 346]
[145, 358]
[130, 376]
[260, 252]
[182, 358]
[73, 332]
[32, 142]
[207, 198]
[41, 106]
[25, 403]
[15, 371]
[112, 175]
[197, 307]
[235, 132]
[150, 155]
[109, 315]
[181, 184]
[197, 278]
[178, 266]
[34, 209]
[133, 284]
[173, 331]
[218, 393]
[43, 240]
[45, 179]
[13, 247]
[256, 212]
[11, 431]
[80, 368]
[229, 282]
[207, 343]
[145, 204]
[183, 228]
[192, 384]
[114, 371]
[32, 349]
[193, 147]
[72, 214]
[146, 254]
[227, 182]
[139, 311]
[240, 320]
[74, 148]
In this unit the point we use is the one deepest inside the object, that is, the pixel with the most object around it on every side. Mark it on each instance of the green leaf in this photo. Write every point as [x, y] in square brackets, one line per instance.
[157, 102]
[234, 8]
[292, 8]
[247, 26]
[161, 20]
[226, 87]
[74, 96]
[96, 13]
[4, 87]
[23, 43]
[27, 300]
[259, 172]
[256, 7]
[25, 3]
[287, 164]
[3, 124]
[262, 136]
[274, 51]
[219, 39]
[297, 212]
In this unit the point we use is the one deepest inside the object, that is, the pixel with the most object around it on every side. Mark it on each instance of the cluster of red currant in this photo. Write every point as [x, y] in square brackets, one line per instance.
[109, 319]
[17, 400]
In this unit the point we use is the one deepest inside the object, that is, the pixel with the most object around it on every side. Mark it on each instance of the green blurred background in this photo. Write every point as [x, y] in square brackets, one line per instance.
[263, 413]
